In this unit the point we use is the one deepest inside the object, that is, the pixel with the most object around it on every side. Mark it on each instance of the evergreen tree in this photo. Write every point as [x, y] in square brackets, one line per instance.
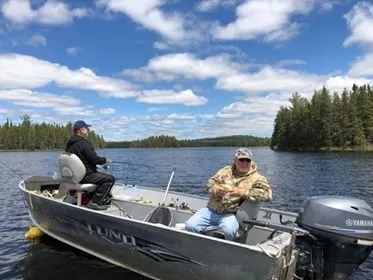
[29, 136]
[343, 121]
[281, 134]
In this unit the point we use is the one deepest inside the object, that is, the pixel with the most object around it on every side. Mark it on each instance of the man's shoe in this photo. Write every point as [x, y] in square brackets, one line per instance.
[95, 206]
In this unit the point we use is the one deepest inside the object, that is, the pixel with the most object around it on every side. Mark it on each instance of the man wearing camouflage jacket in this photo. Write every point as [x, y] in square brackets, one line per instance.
[228, 188]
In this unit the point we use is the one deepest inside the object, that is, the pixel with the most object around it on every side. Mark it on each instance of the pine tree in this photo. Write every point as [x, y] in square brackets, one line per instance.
[344, 121]
[29, 136]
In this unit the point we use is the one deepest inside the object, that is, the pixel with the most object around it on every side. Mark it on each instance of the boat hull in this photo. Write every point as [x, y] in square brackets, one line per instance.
[152, 250]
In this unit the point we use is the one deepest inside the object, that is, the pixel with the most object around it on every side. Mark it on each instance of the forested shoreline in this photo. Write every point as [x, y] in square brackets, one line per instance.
[29, 136]
[164, 141]
[326, 122]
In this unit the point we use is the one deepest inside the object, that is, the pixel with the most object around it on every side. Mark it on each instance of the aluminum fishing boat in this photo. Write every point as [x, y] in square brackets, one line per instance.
[144, 231]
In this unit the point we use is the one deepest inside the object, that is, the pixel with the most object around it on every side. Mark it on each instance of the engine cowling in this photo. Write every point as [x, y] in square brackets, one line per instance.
[343, 228]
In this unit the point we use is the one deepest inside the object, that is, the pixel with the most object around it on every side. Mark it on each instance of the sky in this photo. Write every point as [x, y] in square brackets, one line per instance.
[189, 69]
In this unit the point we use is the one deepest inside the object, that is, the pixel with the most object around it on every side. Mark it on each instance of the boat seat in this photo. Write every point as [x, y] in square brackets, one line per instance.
[72, 171]
[248, 210]
[159, 215]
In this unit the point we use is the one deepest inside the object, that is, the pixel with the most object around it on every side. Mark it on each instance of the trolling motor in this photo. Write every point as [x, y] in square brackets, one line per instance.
[334, 236]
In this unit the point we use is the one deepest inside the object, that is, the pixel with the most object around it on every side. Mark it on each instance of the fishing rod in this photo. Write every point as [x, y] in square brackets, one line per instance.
[162, 214]
[106, 166]
[130, 163]
[168, 186]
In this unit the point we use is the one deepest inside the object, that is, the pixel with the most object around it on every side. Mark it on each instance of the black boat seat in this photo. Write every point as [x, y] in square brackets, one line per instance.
[247, 211]
[160, 215]
[72, 171]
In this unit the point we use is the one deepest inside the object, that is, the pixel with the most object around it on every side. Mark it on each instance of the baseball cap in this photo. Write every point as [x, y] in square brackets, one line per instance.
[80, 124]
[243, 153]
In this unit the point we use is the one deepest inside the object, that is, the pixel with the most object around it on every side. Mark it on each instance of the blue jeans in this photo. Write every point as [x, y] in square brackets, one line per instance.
[205, 217]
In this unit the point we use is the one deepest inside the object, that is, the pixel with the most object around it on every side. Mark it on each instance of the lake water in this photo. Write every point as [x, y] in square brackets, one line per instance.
[293, 177]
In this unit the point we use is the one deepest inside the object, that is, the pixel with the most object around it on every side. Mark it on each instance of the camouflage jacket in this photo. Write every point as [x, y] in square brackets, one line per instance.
[255, 186]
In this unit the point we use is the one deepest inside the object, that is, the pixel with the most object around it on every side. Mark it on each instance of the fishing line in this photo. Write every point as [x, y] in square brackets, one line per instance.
[107, 166]
[12, 170]
[19, 176]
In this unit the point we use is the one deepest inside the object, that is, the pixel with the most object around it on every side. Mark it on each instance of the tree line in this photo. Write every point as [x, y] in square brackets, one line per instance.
[165, 141]
[337, 121]
[33, 136]
[30, 136]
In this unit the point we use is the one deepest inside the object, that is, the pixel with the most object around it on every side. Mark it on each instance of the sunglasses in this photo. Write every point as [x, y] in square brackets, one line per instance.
[244, 159]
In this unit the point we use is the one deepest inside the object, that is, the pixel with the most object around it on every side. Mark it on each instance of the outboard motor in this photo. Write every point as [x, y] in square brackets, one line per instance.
[340, 239]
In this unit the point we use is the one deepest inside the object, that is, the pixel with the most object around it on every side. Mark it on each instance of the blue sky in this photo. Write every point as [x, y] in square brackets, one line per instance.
[190, 69]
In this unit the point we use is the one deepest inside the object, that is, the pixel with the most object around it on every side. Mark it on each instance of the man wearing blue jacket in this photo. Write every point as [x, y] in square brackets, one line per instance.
[79, 145]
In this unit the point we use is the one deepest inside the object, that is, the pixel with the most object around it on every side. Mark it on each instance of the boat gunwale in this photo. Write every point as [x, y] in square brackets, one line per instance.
[265, 209]
[258, 248]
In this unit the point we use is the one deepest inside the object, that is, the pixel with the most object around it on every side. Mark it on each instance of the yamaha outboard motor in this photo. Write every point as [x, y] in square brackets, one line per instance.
[340, 239]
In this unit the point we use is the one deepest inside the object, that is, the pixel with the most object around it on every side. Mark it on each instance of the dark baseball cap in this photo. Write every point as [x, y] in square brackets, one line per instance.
[80, 124]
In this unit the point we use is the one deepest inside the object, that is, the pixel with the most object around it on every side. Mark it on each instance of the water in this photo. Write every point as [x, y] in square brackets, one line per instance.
[293, 176]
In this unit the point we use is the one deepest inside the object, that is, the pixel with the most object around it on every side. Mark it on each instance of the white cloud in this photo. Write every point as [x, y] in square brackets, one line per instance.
[288, 62]
[75, 111]
[255, 114]
[360, 23]
[22, 71]
[188, 126]
[287, 82]
[181, 117]
[186, 97]
[62, 105]
[50, 13]
[161, 46]
[267, 19]
[37, 40]
[362, 67]
[4, 111]
[258, 126]
[284, 34]
[232, 76]
[155, 109]
[16, 113]
[171, 66]
[254, 107]
[27, 72]
[72, 50]
[107, 111]
[208, 5]
[327, 6]
[29, 98]
[338, 83]
[270, 79]
[148, 13]
[130, 128]
[330, 4]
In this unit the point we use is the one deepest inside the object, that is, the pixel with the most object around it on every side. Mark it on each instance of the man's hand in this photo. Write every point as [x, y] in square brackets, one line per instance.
[236, 192]
[108, 161]
[221, 192]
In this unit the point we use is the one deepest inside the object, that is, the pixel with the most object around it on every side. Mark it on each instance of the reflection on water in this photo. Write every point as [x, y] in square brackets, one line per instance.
[294, 177]
[51, 259]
